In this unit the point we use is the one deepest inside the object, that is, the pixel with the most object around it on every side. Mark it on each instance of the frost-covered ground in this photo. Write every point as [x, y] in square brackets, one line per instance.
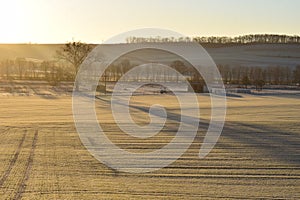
[35, 88]
[256, 157]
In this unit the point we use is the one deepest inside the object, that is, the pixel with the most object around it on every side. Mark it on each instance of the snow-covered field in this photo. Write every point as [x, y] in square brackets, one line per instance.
[35, 88]
[257, 155]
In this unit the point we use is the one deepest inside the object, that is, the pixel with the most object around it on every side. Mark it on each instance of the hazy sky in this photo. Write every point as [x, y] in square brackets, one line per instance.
[58, 21]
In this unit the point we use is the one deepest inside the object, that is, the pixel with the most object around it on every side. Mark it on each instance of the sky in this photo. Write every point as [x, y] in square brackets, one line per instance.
[94, 21]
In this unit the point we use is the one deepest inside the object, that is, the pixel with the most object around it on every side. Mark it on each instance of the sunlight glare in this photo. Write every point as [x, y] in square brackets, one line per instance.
[11, 20]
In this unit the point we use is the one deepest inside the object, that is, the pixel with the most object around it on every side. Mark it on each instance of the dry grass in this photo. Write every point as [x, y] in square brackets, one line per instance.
[257, 155]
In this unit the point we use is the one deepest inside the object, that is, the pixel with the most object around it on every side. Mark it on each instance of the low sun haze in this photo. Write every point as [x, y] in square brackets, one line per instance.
[54, 21]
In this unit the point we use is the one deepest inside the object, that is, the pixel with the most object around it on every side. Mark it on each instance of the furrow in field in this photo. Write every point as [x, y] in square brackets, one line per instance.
[25, 177]
[13, 160]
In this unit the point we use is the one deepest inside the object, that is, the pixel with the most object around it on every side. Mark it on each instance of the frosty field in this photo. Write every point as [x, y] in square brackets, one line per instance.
[257, 155]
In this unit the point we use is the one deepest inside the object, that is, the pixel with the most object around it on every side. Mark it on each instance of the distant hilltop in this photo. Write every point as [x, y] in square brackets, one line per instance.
[249, 50]
[244, 39]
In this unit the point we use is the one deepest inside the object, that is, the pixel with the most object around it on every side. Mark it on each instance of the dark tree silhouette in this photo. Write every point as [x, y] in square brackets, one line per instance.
[259, 84]
[297, 75]
[74, 53]
[178, 66]
[246, 81]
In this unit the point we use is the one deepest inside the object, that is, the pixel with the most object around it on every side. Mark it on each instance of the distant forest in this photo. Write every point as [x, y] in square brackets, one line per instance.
[245, 39]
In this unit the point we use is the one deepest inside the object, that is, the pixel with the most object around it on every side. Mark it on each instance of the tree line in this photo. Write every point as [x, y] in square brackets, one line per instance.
[54, 72]
[245, 39]
[260, 76]
[24, 69]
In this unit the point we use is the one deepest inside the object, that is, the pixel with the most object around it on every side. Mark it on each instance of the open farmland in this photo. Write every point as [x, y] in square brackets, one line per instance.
[257, 155]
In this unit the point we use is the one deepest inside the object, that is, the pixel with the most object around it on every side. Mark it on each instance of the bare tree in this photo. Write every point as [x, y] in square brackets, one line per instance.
[179, 66]
[246, 81]
[74, 53]
[20, 62]
[296, 74]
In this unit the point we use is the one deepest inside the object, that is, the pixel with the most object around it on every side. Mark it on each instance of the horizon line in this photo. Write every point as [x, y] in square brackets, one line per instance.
[97, 43]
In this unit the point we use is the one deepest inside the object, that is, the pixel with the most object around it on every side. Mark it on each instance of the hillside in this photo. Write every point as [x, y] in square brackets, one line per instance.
[261, 55]
[226, 54]
[35, 51]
